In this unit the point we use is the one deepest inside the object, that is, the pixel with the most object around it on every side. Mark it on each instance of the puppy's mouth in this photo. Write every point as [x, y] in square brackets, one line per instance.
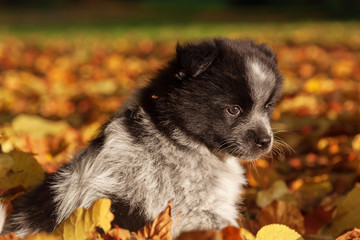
[248, 152]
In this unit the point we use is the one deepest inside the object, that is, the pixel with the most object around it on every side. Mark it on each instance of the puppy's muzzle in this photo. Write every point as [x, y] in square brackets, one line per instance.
[261, 139]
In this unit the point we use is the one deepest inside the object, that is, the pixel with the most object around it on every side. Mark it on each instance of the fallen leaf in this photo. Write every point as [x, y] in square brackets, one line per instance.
[10, 236]
[37, 126]
[19, 169]
[200, 235]
[278, 190]
[285, 213]
[316, 219]
[356, 143]
[82, 223]
[351, 235]
[277, 232]
[346, 215]
[42, 236]
[231, 233]
[160, 228]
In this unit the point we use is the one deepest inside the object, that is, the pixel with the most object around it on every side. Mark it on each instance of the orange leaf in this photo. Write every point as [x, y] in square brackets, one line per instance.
[9, 236]
[160, 228]
[351, 235]
[231, 233]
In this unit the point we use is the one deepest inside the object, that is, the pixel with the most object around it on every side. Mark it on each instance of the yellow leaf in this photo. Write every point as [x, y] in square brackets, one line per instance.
[19, 169]
[37, 126]
[104, 87]
[160, 228]
[245, 234]
[82, 223]
[356, 143]
[346, 215]
[277, 232]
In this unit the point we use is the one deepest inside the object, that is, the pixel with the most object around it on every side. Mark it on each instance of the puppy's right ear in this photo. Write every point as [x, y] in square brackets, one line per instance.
[195, 58]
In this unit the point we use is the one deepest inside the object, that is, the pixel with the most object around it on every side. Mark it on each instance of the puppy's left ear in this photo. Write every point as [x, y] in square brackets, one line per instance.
[267, 50]
[195, 58]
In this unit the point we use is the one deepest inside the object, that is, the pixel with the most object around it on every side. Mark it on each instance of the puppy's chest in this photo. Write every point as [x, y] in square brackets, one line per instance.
[209, 187]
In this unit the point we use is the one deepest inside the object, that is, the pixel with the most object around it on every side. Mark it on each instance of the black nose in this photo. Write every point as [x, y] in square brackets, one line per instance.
[263, 141]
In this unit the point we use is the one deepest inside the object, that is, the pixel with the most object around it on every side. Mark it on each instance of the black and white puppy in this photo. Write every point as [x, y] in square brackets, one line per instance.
[178, 139]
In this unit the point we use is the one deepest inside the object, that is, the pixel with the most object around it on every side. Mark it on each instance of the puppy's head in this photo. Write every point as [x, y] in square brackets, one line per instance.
[220, 92]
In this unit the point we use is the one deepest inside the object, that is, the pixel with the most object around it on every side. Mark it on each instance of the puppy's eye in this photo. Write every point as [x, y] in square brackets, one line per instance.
[269, 105]
[234, 110]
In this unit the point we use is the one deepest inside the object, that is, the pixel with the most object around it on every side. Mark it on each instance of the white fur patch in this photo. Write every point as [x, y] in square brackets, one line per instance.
[2, 216]
[258, 71]
[261, 79]
[228, 190]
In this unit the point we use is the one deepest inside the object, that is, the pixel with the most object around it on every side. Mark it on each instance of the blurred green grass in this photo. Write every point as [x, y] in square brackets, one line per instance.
[325, 33]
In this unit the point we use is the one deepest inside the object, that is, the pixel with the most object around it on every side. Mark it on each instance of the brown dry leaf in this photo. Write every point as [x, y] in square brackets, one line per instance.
[82, 223]
[351, 235]
[283, 213]
[346, 215]
[277, 232]
[19, 169]
[160, 228]
[316, 219]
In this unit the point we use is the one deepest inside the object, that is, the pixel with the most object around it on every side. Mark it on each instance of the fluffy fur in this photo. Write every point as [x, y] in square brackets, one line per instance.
[177, 140]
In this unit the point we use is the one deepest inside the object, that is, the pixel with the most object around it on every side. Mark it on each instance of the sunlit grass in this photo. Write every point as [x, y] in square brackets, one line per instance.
[324, 33]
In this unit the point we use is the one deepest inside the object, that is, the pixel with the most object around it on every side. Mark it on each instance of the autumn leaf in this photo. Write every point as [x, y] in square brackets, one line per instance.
[160, 228]
[200, 235]
[231, 233]
[351, 235]
[277, 191]
[42, 236]
[10, 236]
[37, 126]
[19, 169]
[316, 219]
[55, 93]
[346, 215]
[277, 232]
[285, 213]
[82, 223]
[356, 143]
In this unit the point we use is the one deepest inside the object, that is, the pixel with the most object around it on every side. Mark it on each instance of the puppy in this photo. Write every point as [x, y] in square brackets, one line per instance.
[178, 139]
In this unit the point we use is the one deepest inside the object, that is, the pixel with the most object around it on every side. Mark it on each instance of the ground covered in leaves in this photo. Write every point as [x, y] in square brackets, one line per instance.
[55, 93]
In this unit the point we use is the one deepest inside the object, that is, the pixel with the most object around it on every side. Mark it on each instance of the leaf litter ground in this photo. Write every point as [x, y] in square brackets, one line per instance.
[310, 183]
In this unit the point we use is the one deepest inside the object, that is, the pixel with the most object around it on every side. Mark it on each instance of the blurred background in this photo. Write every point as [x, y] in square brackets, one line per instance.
[66, 66]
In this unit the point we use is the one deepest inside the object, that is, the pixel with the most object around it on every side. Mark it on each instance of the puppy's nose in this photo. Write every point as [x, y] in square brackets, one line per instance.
[263, 141]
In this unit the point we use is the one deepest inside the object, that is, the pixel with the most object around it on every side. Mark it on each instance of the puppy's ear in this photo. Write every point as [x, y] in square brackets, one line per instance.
[195, 58]
[267, 50]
